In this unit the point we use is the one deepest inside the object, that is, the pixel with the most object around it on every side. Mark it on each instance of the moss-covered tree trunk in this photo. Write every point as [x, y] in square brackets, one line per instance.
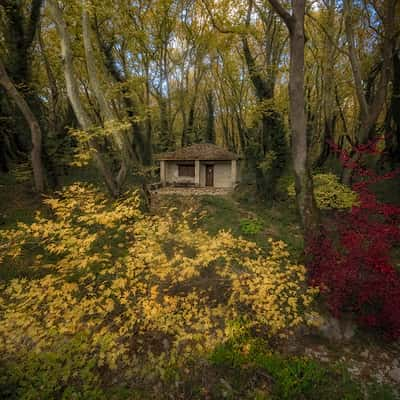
[267, 154]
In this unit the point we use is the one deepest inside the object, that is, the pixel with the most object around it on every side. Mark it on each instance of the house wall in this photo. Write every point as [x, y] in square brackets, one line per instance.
[172, 174]
[202, 175]
[222, 173]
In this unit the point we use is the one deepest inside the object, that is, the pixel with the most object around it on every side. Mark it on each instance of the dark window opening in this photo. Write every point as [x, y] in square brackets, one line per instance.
[186, 170]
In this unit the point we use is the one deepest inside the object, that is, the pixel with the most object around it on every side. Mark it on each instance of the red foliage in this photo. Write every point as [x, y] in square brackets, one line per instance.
[351, 261]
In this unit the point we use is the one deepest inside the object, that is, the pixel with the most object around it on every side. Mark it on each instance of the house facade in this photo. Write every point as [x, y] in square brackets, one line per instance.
[199, 165]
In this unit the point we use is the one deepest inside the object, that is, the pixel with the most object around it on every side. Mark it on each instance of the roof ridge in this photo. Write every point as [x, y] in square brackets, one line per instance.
[199, 151]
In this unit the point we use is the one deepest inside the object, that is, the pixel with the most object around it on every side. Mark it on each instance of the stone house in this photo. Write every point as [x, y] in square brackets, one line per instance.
[199, 165]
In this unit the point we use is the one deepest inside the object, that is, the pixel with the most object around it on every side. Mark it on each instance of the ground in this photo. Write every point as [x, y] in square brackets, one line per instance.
[248, 365]
[189, 191]
[366, 357]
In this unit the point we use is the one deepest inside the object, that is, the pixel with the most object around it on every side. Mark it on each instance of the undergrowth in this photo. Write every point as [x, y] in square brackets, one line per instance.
[126, 295]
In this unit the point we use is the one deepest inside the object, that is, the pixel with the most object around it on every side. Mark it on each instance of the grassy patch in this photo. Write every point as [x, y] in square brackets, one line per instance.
[289, 378]
[221, 213]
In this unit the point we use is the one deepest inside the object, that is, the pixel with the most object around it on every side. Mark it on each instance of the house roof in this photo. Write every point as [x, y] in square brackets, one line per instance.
[201, 151]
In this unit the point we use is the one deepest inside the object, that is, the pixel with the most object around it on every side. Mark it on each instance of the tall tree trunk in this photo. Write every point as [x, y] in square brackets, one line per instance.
[118, 135]
[21, 19]
[268, 159]
[141, 140]
[392, 120]
[36, 133]
[73, 94]
[328, 86]
[210, 129]
[303, 180]
[369, 112]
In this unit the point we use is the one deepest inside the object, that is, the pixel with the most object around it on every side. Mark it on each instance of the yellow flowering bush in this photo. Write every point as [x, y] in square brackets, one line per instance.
[329, 192]
[139, 286]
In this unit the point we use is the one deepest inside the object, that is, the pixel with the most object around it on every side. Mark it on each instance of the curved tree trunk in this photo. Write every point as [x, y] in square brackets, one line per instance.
[19, 21]
[36, 133]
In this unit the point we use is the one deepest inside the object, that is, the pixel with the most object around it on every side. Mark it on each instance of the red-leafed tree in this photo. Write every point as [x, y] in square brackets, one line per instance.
[351, 261]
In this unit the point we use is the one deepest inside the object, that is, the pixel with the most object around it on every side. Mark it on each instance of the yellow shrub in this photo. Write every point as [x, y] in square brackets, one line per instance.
[329, 192]
[129, 281]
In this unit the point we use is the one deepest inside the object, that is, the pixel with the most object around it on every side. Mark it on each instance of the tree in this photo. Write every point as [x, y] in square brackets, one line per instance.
[268, 153]
[36, 133]
[114, 184]
[303, 180]
[370, 104]
[20, 21]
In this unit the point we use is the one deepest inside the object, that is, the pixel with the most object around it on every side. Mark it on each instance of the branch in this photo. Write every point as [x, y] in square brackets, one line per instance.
[213, 21]
[326, 33]
[287, 18]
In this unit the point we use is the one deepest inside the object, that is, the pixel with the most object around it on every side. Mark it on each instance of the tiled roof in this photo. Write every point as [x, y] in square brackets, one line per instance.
[201, 151]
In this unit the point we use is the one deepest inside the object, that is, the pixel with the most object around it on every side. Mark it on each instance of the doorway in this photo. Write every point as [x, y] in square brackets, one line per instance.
[209, 175]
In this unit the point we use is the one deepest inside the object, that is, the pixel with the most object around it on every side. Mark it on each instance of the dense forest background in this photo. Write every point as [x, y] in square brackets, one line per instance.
[115, 82]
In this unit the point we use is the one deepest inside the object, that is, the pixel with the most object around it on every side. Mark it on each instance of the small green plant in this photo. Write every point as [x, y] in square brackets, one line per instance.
[250, 226]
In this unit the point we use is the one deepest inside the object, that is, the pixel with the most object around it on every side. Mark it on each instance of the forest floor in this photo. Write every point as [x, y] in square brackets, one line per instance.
[365, 356]
[308, 366]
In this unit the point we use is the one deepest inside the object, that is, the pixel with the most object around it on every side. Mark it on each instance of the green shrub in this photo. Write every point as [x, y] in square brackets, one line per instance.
[329, 192]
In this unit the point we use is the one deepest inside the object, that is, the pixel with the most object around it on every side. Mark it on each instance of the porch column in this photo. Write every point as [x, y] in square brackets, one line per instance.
[234, 172]
[163, 173]
[197, 173]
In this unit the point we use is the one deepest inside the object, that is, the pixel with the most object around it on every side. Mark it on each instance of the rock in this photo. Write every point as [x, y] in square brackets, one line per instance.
[309, 352]
[337, 331]
[385, 356]
[395, 374]
[165, 343]
[349, 330]
[365, 354]
[330, 329]
[354, 370]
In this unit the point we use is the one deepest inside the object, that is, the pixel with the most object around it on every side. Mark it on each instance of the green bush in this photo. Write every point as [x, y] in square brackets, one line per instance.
[329, 192]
